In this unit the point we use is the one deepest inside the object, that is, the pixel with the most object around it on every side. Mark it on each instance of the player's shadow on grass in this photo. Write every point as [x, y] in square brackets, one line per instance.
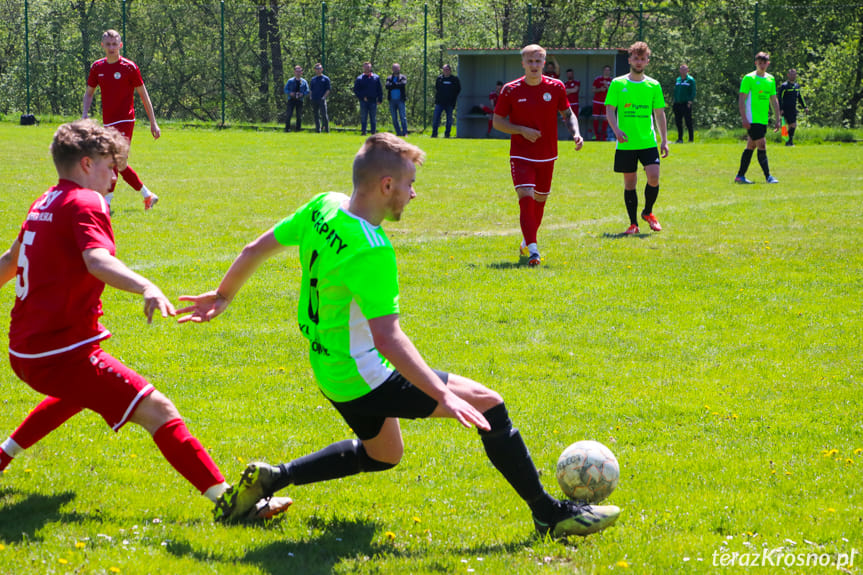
[339, 540]
[610, 236]
[21, 520]
[521, 263]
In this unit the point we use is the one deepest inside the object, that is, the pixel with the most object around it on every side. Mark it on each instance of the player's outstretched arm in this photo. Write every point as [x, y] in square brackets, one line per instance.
[102, 265]
[395, 345]
[207, 306]
[9, 263]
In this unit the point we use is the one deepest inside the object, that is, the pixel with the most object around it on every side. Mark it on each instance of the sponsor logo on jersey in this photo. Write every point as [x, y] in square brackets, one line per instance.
[547, 97]
[116, 75]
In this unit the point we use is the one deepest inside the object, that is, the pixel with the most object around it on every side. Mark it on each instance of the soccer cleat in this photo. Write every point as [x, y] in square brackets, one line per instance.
[268, 508]
[150, 202]
[772, 180]
[789, 143]
[534, 259]
[239, 500]
[577, 519]
[631, 230]
[742, 180]
[652, 222]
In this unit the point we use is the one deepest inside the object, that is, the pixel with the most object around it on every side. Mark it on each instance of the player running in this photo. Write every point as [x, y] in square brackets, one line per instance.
[635, 108]
[757, 96]
[363, 362]
[61, 261]
[119, 79]
[527, 109]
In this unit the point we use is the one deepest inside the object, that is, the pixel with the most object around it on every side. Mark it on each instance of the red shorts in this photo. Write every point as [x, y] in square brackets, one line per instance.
[87, 377]
[125, 128]
[598, 110]
[536, 175]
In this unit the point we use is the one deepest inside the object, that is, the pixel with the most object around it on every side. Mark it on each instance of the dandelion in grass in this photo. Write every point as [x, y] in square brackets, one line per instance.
[62, 561]
[417, 519]
[849, 461]
[80, 544]
[831, 510]
[622, 564]
[858, 451]
[390, 535]
[114, 569]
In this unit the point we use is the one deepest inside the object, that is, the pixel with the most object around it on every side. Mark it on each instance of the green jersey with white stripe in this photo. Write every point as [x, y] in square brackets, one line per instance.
[349, 277]
[758, 90]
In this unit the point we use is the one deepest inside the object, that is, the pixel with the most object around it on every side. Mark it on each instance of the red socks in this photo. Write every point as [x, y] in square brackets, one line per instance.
[538, 211]
[527, 219]
[50, 414]
[131, 177]
[187, 455]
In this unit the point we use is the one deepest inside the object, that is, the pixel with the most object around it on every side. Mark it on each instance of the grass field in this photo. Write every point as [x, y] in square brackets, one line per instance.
[719, 359]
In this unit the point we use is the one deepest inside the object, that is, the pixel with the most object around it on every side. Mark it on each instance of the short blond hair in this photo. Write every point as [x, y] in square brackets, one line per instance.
[639, 49]
[86, 138]
[384, 154]
[531, 48]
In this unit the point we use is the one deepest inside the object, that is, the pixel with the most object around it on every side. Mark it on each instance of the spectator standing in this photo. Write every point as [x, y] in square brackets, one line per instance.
[119, 79]
[368, 90]
[397, 95]
[789, 97]
[600, 90]
[297, 89]
[319, 88]
[757, 96]
[573, 87]
[684, 95]
[551, 69]
[447, 88]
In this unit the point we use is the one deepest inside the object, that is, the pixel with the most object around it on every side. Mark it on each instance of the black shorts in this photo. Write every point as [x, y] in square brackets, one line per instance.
[790, 117]
[626, 161]
[396, 397]
[757, 131]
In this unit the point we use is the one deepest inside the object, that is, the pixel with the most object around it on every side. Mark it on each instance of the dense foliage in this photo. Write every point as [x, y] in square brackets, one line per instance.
[178, 46]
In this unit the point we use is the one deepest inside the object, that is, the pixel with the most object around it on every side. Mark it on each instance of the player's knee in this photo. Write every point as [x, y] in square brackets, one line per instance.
[382, 462]
[154, 411]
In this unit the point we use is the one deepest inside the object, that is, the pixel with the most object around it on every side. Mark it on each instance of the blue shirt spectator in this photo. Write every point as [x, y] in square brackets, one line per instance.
[370, 93]
[320, 85]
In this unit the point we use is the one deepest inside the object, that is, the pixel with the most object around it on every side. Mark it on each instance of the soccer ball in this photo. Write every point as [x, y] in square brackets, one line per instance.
[587, 471]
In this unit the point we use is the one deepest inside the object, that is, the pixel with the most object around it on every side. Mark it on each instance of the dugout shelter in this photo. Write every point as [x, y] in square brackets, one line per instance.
[479, 71]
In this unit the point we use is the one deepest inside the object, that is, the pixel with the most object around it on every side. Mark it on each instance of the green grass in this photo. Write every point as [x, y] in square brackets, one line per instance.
[720, 361]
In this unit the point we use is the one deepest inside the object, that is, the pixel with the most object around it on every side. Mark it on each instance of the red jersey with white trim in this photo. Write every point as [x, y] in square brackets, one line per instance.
[57, 304]
[117, 82]
[569, 85]
[535, 107]
[600, 89]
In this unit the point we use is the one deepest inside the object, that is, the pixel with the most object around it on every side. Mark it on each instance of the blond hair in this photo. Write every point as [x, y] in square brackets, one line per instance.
[639, 49]
[531, 48]
[86, 138]
[384, 154]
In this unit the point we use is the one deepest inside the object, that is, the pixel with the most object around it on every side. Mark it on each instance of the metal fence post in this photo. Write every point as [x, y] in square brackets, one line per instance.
[324, 35]
[425, 64]
[124, 28]
[640, 21]
[27, 51]
[755, 36]
[222, 58]
[530, 23]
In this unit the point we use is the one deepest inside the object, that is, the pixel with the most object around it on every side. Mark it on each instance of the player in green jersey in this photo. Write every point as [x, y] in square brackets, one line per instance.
[757, 96]
[635, 109]
[364, 363]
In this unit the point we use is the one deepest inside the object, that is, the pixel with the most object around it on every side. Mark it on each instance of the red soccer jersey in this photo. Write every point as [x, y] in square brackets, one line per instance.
[569, 84]
[600, 88]
[57, 304]
[493, 96]
[117, 82]
[536, 107]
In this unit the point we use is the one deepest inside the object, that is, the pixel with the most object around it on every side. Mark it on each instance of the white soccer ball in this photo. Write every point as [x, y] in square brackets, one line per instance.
[587, 471]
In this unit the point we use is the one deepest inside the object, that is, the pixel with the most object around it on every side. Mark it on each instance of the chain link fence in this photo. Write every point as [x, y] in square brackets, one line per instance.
[215, 62]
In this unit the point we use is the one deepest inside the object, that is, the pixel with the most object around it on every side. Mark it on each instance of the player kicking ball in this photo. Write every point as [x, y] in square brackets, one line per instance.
[635, 108]
[363, 362]
[61, 261]
[527, 109]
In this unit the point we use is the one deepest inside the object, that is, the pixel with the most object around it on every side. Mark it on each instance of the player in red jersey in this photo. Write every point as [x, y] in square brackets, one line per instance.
[119, 79]
[61, 260]
[573, 87]
[600, 91]
[492, 98]
[527, 108]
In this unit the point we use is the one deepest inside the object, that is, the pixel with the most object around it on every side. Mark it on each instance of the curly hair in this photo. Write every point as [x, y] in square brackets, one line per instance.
[86, 138]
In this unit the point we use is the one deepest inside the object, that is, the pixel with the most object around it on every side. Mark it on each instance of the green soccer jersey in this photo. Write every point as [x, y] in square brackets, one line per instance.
[635, 103]
[349, 277]
[758, 90]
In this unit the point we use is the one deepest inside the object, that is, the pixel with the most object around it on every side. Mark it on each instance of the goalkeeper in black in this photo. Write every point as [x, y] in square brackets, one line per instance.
[789, 96]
